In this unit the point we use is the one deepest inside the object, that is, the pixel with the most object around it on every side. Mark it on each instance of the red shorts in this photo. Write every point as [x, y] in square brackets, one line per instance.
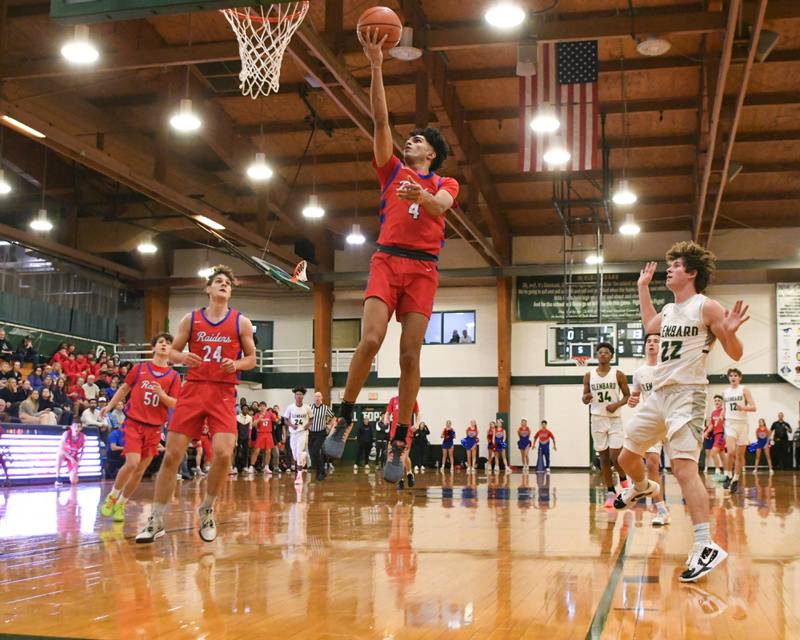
[141, 438]
[208, 448]
[70, 464]
[405, 285]
[263, 440]
[210, 402]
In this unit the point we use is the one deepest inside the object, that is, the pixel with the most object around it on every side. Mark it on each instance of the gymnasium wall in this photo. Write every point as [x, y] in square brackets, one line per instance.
[471, 368]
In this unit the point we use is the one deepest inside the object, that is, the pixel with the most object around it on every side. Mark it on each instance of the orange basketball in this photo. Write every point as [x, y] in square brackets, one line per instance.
[386, 21]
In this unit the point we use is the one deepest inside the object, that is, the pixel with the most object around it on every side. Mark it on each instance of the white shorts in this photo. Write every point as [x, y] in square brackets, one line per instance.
[739, 429]
[656, 448]
[675, 413]
[607, 432]
[297, 441]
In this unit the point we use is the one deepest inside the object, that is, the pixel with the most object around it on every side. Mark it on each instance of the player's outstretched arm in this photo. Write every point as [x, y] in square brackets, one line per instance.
[651, 319]
[176, 354]
[725, 323]
[382, 143]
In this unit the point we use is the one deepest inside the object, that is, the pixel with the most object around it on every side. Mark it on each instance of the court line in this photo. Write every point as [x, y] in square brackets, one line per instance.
[604, 606]
[18, 636]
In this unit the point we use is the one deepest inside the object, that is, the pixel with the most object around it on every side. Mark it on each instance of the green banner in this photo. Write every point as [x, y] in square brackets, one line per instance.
[544, 297]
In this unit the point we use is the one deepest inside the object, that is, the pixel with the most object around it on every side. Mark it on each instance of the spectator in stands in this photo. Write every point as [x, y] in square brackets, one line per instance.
[61, 399]
[278, 438]
[454, 339]
[116, 443]
[26, 352]
[110, 390]
[48, 383]
[13, 395]
[5, 347]
[4, 415]
[25, 385]
[57, 370]
[75, 393]
[71, 368]
[90, 389]
[117, 416]
[6, 371]
[36, 379]
[242, 406]
[71, 350]
[46, 402]
[29, 412]
[465, 339]
[48, 372]
[17, 365]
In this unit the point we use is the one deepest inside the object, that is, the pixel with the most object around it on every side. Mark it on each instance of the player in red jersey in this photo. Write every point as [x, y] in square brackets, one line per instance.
[154, 387]
[221, 344]
[393, 416]
[716, 431]
[71, 451]
[403, 273]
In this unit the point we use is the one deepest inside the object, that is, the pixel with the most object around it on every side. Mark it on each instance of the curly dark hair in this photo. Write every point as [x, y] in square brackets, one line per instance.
[437, 141]
[224, 270]
[696, 259]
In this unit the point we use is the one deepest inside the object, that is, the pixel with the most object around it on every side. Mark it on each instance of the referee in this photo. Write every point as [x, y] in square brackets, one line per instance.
[319, 430]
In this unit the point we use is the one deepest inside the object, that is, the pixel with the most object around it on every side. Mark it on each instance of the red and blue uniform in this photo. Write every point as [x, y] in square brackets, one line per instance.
[717, 435]
[209, 394]
[544, 436]
[472, 438]
[448, 435]
[403, 272]
[144, 413]
[524, 441]
[73, 447]
[263, 423]
[499, 439]
[393, 409]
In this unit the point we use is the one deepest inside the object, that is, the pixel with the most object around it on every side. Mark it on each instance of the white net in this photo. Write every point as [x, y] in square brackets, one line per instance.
[263, 33]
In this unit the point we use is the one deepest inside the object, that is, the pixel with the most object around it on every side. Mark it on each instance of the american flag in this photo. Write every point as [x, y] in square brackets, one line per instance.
[566, 79]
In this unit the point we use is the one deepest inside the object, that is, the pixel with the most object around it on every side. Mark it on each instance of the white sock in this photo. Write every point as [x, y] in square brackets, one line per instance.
[208, 502]
[661, 506]
[158, 509]
[641, 486]
[735, 476]
[702, 533]
[122, 500]
[114, 493]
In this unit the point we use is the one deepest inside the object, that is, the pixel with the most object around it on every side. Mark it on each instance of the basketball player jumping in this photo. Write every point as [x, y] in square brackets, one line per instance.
[403, 271]
[676, 408]
[154, 387]
[221, 344]
[641, 388]
[738, 403]
[606, 389]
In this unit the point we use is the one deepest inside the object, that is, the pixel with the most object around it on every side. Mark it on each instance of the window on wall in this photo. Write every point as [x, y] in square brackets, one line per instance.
[451, 327]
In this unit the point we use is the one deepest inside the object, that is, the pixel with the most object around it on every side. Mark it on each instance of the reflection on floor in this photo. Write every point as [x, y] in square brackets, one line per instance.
[457, 556]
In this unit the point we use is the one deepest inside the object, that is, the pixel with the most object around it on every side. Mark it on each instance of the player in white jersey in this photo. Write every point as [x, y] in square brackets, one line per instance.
[297, 416]
[738, 403]
[641, 389]
[605, 389]
[676, 407]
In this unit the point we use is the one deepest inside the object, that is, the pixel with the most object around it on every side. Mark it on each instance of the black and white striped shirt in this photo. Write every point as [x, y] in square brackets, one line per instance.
[322, 414]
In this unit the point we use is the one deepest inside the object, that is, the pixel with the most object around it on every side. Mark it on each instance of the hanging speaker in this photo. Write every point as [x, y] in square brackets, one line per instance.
[526, 59]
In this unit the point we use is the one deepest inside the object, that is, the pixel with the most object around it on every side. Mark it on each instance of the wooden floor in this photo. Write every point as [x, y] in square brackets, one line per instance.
[508, 557]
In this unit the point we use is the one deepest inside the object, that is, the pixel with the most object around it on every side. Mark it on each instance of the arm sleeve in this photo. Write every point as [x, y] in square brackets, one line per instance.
[130, 379]
[451, 186]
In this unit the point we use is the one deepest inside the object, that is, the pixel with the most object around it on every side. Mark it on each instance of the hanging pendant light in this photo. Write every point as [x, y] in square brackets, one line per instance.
[355, 237]
[80, 49]
[313, 209]
[5, 187]
[556, 153]
[147, 246]
[259, 170]
[629, 227]
[41, 222]
[545, 120]
[623, 195]
[185, 120]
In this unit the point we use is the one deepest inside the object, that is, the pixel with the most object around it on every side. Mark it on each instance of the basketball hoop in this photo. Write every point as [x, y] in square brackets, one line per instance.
[580, 360]
[263, 33]
[300, 272]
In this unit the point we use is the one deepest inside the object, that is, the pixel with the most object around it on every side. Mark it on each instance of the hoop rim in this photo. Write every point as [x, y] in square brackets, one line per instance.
[271, 19]
[580, 360]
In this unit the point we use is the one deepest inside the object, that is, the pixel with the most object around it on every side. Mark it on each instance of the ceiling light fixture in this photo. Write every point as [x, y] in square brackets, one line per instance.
[651, 45]
[80, 49]
[313, 209]
[504, 15]
[355, 237]
[405, 49]
[624, 196]
[205, 272]
[594, 258]
[5, 187]
[545, 120]
[556, 153]
[147, 246]
[40, 222]
[629, 227]
[185, 120]
[22, 127]
[211, 224]
[259, 170]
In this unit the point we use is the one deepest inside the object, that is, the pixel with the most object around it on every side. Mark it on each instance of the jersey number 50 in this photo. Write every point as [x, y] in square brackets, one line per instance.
[151, 399]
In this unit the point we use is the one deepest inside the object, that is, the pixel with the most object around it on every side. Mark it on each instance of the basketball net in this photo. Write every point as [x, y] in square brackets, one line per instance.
[300, 272]
[263, 33]
[581, 360]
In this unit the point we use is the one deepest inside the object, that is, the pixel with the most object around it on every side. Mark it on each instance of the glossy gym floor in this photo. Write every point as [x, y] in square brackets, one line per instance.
[457, 556]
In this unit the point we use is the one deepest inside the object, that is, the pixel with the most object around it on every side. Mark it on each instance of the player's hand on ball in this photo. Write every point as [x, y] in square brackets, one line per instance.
[228, 365]
[192, 359]
[372, 42]
[736, 317]
[646, 274]
[410, 190]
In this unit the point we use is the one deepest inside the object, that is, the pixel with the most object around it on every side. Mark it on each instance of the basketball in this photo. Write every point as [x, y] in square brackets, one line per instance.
[386, 21]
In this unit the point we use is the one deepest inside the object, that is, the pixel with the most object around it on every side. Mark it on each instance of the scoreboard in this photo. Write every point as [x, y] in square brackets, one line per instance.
[568, 341]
